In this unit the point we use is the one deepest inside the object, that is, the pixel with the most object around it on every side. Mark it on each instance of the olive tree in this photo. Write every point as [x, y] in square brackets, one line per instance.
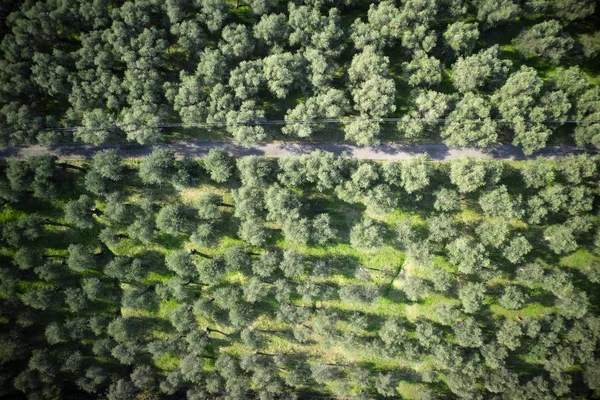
[107, 163]
[446, 200]
[509, 334]
[546, 40]
[254, 170]
[272, 29]
[461, 37]
[470, 123]
[468, 255]
[577, 168]
[416, 173]
[187, 173]
[526, 103]
[471, 296]
[366, 234]
[494, 12]
[172, 219]
[80, 258]
[237, 41]
[512, 298]
[480, 70]
[253, 231]
[423, 70]
[385, 384]
[249, 202]
[322, 231]
[282, 204]
[181, 263]
[560, 239]
[157, 167]
[517, 249]
[79, 212]
[537, 173]
[499, 203]
[429, 106]
[219, 165]
[467, 333]
[467, 174]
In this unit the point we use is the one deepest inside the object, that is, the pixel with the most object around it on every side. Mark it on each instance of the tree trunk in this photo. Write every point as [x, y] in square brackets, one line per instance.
[197, 253]
[49, 222]
[209, 330]
[270, 331]
[265, 354]
[97, 212]
[71, 166]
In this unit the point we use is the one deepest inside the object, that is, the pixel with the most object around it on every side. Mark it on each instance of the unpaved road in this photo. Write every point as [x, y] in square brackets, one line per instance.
[390, 152]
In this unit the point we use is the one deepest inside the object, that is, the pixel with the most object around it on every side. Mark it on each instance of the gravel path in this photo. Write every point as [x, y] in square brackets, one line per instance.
[438, 152]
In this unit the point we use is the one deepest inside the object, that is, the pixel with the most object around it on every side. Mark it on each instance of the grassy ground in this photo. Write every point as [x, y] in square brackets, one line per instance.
[387, 266]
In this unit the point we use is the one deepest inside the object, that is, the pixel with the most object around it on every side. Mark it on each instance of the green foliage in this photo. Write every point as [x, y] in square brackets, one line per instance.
[429, 106]
[576, 169]
[253, 232]
[545, 40]
[80, 258]
[446, 200]
[560, 239]
[107, 163]
[480, 70]
[219, 165]
[181, 263]
[470, 257]
[538, 173]
[441, 228]
[416, 173]
[517, 248]
[423, 70]
[157, 168]
[499, 203]
[79, 212]
[467, 333]
[254, 170]
[322, 230]
[527, 104]
[467, 174]
[470, 123]
[471, 296]
[249, 202]
[415, 288]
[386, 385]
[512, 298]
[509, 334]
[172, 219]
[188, 173]
[461, 37]
[367, 234]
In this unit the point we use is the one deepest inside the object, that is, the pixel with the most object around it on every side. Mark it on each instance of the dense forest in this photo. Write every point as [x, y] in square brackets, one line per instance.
[468, 73]
[308, 276]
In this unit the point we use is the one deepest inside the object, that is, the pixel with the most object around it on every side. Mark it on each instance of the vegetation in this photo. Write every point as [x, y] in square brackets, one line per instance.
[300, 277]
[469, 73]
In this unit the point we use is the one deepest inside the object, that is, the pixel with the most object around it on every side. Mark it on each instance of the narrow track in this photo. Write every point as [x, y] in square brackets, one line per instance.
[392, 152]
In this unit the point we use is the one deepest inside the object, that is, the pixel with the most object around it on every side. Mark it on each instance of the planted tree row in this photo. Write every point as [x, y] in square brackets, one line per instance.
[117, 71]
[264, 278]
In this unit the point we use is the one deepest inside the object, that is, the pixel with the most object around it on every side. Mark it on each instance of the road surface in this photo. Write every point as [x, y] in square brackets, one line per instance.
[392, 152]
